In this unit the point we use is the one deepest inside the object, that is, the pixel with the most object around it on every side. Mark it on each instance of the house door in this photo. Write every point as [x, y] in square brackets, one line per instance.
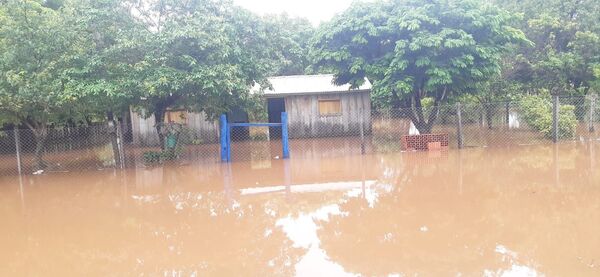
[275, 106]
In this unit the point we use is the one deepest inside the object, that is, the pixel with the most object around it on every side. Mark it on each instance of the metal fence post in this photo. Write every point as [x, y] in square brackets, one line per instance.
[18, 149]
[507, 113]
[228, 137]
[592, 107]
[223, 137]
[287, 176]
[120, 145]
[459, 129]
[284, 135]
[362, 132]
[555, 110]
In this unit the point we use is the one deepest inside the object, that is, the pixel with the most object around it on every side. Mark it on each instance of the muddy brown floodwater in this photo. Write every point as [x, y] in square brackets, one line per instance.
[524, 211]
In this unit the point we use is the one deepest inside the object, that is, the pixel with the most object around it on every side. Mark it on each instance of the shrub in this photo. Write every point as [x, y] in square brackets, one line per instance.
[152, 157]
[536, 111]
[157, 157]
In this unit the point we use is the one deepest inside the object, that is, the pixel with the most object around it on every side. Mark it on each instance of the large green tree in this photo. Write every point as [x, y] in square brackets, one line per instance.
[566, 35]
[102, 79]
[202, 56]
[413, 49]
[290, 38]
[37, 47]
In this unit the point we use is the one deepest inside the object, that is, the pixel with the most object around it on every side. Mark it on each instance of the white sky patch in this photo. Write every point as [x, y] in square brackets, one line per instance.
[516, 269]
[302, 188]
[302, 230]
[317, 11]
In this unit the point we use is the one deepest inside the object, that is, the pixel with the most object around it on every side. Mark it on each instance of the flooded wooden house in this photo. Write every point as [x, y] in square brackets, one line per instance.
[317, 107]
[198, 130]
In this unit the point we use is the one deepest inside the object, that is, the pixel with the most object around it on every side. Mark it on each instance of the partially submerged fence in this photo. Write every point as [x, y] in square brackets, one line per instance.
[227, 127]
[461, 125]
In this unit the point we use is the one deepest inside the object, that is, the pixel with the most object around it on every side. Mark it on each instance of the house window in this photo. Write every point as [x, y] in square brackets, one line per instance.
[330, 107]
[175, 117]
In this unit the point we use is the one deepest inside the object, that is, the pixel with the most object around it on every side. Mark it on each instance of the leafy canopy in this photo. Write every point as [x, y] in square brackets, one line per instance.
[37, 46]
[413, 49]
[566, 35]
[198, 55]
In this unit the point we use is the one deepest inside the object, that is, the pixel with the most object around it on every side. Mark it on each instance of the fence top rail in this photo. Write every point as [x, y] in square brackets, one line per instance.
[255, 124]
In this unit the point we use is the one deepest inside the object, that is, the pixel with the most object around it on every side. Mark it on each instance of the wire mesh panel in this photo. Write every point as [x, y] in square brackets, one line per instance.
[578, 118]
[101, 147]
[256, 143]
[8, 153]
[66, 149]
[446, 122]
[388, 126]
[498, 124]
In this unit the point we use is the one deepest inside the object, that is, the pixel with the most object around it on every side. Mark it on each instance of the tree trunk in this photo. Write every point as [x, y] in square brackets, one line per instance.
[423, 127]
[114, 138]
[489, 114]
[159, 119]
[422, 121]
[40, 135]
[396, 101]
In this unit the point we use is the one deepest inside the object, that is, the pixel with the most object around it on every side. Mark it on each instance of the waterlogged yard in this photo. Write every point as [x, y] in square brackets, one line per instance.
[522, 210]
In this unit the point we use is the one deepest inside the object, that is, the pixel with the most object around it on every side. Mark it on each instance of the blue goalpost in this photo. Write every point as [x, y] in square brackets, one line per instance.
[226, 135]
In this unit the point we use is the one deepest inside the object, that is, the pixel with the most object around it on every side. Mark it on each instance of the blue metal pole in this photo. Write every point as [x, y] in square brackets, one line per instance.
[223, 138]
[284, 135]
[228, 142]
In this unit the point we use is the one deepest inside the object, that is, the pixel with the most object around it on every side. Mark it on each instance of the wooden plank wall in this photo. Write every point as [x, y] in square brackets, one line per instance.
[305, 121]
[144, 133]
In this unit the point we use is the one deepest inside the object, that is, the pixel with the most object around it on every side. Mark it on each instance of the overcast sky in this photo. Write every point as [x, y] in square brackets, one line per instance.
[316, 11]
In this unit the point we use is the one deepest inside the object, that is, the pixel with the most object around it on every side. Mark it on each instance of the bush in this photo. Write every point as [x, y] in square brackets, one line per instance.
[157, 157]
[152, 157]
[536, 111]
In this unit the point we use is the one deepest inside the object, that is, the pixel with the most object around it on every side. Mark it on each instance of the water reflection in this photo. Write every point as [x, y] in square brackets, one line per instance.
[523, 211]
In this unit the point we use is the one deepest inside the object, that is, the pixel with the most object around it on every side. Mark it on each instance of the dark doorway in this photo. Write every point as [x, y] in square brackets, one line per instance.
[237, 115]
[275, 107]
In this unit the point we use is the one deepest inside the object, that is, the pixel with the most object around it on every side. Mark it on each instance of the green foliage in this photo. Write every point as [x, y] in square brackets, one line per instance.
[567, 45]
[595, 84]
[37, 47]
[290, 38]
[76, 62]
[427, 102]
[200, 56]
[102, 79]
[414, 49]
[158, 157]
[536, 111]
[152, 157]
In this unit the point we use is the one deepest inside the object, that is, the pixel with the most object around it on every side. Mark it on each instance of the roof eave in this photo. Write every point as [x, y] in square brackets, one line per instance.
[279, 95]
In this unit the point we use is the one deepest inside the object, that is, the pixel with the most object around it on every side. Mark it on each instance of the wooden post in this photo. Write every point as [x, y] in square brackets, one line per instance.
[555, 110]
[284, 135]
[592, 108]
[223, 138]
[459, 129]
[362, 132]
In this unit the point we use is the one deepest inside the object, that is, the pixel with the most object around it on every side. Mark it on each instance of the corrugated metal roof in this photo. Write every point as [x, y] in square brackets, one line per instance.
[308, 84]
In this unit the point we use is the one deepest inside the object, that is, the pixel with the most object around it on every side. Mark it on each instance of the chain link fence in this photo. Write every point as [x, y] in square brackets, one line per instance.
[533, 120]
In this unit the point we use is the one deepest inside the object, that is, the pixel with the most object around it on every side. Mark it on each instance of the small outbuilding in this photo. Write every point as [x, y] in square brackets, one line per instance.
[316, 107]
